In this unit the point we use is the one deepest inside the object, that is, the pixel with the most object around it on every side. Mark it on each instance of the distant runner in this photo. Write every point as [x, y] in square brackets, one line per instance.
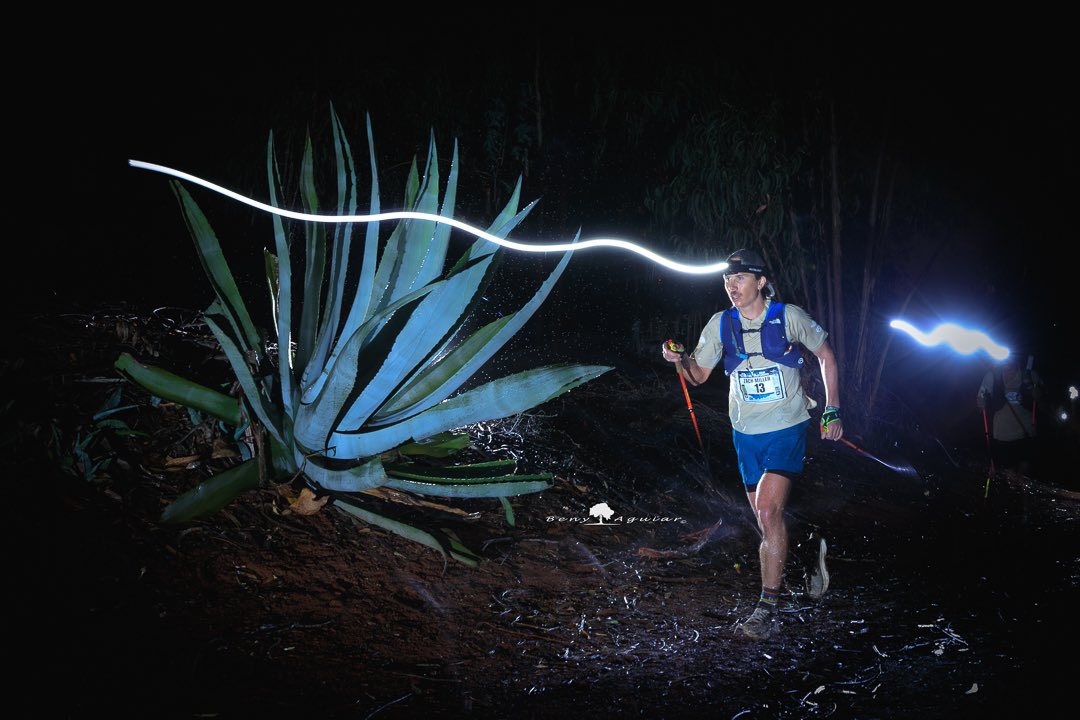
[755, 341]
[1010, 393]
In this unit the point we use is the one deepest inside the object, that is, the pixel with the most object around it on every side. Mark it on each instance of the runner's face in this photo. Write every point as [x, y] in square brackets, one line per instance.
[743, 288]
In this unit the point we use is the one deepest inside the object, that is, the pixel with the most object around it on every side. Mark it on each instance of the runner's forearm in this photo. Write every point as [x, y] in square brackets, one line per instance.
[830, 376]
[694, 373]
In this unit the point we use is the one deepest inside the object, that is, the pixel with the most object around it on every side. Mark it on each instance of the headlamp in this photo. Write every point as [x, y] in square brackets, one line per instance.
[737, 266]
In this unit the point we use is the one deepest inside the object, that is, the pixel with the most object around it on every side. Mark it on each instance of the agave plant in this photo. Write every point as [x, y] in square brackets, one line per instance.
[368, 386]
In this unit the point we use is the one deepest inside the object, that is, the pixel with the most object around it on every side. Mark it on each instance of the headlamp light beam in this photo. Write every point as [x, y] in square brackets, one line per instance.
[409, 215]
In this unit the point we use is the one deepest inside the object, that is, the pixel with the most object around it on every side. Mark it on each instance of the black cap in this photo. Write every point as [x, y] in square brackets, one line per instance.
[745, 260]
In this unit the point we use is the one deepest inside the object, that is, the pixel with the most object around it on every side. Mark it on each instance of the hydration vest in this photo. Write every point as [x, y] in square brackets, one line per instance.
[774, 341]
[1027, 390]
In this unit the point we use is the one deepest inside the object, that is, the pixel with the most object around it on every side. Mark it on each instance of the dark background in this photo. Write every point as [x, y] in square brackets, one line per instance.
[980, 106]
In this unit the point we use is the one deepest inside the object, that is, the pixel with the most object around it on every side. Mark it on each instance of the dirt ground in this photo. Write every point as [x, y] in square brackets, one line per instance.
[942, 603]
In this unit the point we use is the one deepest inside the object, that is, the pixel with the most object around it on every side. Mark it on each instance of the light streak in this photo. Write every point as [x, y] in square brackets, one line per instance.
[963, 340]
[410, 215]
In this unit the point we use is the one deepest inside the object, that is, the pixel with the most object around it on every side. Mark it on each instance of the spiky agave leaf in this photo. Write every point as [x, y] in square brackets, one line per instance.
[438, 446]
[211, 495]
[438, 381]
[439, 541]
[490, 468]
[487, 479]
[282, 290]
[219, 274]
[340, 249]
[255, 393]
[494, 400]
[170, 386]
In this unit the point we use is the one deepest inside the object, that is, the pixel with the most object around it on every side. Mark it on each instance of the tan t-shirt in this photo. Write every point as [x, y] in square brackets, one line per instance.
[764, 395]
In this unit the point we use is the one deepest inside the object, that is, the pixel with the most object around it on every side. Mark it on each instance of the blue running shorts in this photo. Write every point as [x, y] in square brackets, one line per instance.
[780, 451]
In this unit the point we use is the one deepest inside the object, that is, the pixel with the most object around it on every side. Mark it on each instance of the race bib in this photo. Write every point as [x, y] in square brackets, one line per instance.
[762, 386]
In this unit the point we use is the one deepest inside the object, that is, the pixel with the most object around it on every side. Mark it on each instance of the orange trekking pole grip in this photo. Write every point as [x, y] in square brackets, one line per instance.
[677, 348]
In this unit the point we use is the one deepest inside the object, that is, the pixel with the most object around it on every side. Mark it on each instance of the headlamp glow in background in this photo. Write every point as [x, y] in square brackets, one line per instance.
[1072, 392]
[963, 340]
[407, 215]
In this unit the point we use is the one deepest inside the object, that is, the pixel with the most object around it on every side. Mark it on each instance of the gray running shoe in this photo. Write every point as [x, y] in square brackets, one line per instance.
[817, 579]
[761, 624]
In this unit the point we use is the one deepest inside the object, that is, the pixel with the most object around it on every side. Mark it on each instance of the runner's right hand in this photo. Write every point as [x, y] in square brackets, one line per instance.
[671, 350]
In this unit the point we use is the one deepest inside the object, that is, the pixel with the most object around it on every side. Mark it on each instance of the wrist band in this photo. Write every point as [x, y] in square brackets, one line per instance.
[831, 414]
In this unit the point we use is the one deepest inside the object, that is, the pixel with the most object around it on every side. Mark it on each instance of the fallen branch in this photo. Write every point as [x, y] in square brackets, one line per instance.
[703, 536]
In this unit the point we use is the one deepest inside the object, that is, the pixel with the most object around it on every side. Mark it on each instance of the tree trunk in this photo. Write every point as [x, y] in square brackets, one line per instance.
[872, 395]
[878, 229]
[539, 107]
[836, 315]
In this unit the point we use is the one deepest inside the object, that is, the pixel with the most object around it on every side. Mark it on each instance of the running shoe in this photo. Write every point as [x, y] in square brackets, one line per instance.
[761, 624]
[817, 578]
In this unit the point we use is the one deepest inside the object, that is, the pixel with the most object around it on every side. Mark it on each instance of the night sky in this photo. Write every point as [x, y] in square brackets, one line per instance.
[981, 108]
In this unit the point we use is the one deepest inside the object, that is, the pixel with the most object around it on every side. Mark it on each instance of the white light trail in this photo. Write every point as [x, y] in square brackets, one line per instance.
[409, 215]
[963, 340]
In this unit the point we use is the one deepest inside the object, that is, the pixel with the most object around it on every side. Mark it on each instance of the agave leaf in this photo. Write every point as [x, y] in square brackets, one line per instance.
[217, 270]
[340, 251]
[507, 219]
[425, 478]
[440, 381]
[422, 388]
[435, 257]
[440, 242]
[470, 490]
[503, 227]
[485, 469]
[388, 274]
[436, 317]
[283, 288]
[360, 338]
[282, 464]
[211, 495]
[446, 546]
[270, 269]
[351, 371]
[170, 386]
[352, 477]
[500, 398]
[440, 445]
[314, 263]
[420, 258]
[508, 509]
[362, 302]
[263, 406]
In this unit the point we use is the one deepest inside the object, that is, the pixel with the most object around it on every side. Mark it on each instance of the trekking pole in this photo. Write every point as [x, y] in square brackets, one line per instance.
[902, 468]
[1034, 400]
[989, 454]
[677, 348]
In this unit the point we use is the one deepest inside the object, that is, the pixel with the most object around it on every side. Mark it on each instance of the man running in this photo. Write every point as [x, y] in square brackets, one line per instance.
[755, 340]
